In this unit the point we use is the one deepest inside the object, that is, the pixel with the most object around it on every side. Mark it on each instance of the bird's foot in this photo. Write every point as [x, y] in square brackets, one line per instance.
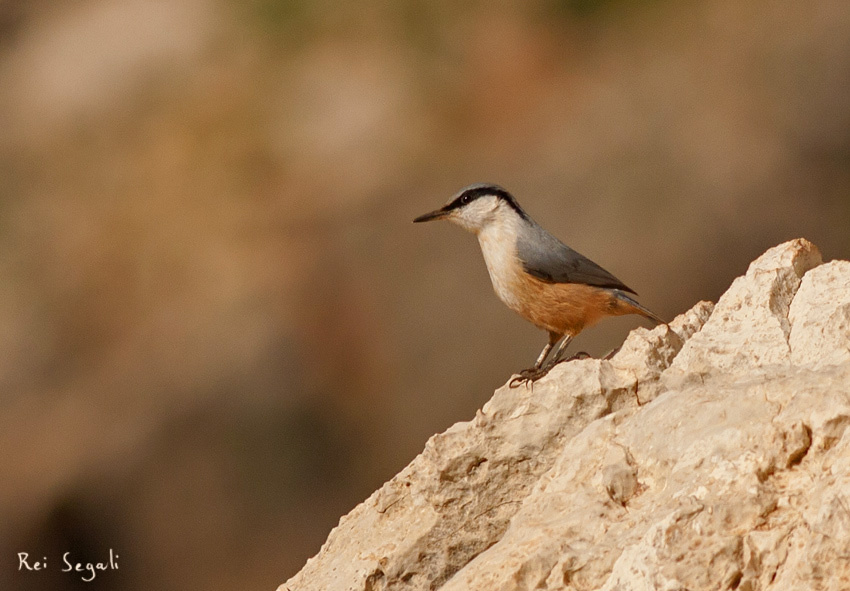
[529, 376]
[532, 374]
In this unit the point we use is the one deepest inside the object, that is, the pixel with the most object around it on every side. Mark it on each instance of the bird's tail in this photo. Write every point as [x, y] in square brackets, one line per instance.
[638, 309]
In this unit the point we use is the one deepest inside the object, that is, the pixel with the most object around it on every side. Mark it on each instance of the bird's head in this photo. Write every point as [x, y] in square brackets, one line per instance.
[476, 207]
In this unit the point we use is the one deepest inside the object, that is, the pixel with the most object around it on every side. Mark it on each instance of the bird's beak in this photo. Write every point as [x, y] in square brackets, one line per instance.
[434, 215]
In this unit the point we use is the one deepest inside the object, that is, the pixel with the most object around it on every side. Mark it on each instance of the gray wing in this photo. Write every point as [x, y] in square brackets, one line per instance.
[550, 260]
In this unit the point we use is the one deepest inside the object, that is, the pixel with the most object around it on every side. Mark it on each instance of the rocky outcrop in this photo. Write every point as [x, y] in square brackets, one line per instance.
[708, 454]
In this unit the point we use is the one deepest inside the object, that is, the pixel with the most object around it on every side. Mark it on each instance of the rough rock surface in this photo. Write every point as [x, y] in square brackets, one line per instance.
[708, 454]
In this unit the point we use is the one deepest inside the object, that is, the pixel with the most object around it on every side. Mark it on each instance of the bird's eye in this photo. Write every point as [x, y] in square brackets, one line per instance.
[465, 199]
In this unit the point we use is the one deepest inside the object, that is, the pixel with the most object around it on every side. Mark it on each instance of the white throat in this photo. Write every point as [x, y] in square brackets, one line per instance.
[498, 241]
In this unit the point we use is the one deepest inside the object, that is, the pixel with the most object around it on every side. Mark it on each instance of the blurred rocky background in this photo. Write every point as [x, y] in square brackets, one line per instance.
[219, 330]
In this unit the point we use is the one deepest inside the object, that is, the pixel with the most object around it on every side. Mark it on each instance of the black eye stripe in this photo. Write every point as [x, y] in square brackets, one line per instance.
[473, 192]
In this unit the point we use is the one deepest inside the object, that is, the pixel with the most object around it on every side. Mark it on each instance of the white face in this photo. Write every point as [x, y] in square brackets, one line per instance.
[480, 213]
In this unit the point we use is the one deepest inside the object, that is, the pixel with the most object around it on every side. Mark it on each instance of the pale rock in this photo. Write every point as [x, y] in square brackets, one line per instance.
[749, 326]
[710, 453]
[820, 316]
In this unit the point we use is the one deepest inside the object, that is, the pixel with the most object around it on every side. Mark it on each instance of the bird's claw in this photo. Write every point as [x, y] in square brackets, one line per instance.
[532, 374]
[529, 376]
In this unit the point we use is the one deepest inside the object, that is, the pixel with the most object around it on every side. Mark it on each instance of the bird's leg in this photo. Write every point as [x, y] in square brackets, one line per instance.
[543, 354]
[539, 370]
[556, 358]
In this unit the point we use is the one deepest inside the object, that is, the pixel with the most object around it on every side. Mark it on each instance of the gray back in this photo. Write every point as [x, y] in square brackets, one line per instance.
[550, 260]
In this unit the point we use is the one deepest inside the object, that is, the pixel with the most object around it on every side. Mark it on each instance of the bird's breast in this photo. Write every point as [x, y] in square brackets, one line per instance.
[561, 308]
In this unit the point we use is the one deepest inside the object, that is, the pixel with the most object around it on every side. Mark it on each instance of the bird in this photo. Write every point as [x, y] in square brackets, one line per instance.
[535, 274]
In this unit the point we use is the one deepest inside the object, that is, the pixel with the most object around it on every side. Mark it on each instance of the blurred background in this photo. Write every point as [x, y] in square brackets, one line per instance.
[219, 330]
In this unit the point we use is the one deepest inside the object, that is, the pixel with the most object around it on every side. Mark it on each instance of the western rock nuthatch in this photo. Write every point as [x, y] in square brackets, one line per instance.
[535, 274]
